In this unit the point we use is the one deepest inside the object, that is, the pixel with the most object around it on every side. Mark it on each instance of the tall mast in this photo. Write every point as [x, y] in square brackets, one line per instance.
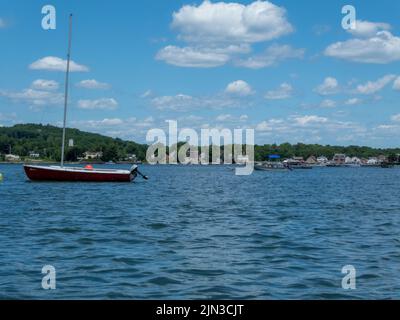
[66, 90]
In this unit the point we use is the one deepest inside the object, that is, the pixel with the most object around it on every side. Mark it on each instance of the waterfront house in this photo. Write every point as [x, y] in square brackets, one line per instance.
[294, 161]
[356, 160]
[322, 160]
[242, 159]
[12, 158]
[372, 161]
[88, 155]
[382, 159]
[352, 160]
[131, 157]
[298, 159]
[311, 160]
[339, 159]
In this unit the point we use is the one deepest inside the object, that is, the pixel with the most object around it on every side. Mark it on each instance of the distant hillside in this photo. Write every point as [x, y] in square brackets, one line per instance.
[46, 140]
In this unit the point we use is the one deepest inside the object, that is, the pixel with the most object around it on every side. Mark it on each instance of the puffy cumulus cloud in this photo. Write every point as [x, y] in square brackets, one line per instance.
[92, 84]
[368, 29]
[222, 22]
[396, 84]
[372, 87]
[382, 48]
[328, 87]
[102, 104]
[272, 56]
[284, 91]
[239, 88]
[33, 97]
[46, 85]
[56, 64]
[217, 33]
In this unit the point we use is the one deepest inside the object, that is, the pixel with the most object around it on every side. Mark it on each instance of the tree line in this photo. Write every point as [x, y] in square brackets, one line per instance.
[22, 139]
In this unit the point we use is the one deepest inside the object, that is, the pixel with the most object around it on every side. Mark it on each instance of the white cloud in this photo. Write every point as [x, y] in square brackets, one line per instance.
[263, 126]
[192, 57]
[284, 91]
[366, 29]
[2, 23]
[127, 128]
[215, 33]
[222, 22]
[146, 94]
[34, 97]
[104, 103]
[183, 102]
[328, 87]
[101, 123]
[353, 101]
[231, 118]
[396, 118]
[272, 56]
[372, 87]
[327, 103]
[396, 84]
[178, 102]
[239, 88]
[307, 120]
[56, 64]
[46, 85]
[92, 84]
[382, 48]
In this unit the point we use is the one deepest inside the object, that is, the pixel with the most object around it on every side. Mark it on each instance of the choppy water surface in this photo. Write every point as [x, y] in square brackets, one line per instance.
[202, 232]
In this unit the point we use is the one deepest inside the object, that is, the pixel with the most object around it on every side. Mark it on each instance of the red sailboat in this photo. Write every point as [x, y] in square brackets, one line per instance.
[74, 174]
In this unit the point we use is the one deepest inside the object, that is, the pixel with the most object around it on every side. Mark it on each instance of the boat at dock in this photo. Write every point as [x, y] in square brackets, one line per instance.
[271, 166]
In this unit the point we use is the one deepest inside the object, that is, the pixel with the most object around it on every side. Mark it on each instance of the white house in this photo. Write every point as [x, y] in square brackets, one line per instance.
[12, 157]
[322, 159]
[92, 155]
[242, 159]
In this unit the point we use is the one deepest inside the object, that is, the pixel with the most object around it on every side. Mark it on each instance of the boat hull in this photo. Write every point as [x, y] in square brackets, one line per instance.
[41, 173]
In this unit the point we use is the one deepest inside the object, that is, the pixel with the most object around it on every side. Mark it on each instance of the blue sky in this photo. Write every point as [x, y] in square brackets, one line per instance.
[285, 68]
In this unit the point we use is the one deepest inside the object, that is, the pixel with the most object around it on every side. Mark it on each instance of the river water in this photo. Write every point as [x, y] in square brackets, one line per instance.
[200, 232]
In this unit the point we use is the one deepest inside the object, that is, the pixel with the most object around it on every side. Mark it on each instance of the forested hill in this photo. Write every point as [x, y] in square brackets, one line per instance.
[46, 140]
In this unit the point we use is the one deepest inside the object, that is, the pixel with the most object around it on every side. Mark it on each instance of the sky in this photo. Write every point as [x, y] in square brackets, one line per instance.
[286, 68]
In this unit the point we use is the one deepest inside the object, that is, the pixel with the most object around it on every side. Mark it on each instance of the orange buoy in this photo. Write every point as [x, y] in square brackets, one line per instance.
[89, 167]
